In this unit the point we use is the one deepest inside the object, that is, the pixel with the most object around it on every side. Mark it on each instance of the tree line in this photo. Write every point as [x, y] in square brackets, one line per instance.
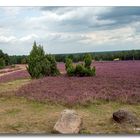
[101, 56]
[6, 60]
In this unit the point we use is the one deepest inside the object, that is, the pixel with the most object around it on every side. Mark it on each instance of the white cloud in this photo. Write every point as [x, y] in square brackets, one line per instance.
[11, 11]
[109, 36]
[4, 31]
[13, 39]
[4, 39]
[56, 19]
[29, 37]
[122, 35]
[65, 26]
[67, 13]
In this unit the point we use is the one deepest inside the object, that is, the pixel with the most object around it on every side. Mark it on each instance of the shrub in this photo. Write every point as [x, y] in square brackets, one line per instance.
[2, 63]
[80, 69]
[53, 65]
[39, 64]
[69, 67]
[71, 71]
[90, 72]
[87, 60]
[68, 63]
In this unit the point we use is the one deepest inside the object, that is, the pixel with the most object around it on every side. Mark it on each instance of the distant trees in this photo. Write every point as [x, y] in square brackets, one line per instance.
[101, 56]
[4, 59]
[80, 69]
[98, 56]
[18, 59]
[41, 64]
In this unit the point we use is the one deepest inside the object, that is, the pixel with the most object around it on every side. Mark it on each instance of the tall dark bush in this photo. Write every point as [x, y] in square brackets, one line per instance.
[39, 64]
[69, 67]
[68, 63]
[5, 60]
[53, 65]
[80, 70]
[2, 63]
[87, 60]
[90, 71]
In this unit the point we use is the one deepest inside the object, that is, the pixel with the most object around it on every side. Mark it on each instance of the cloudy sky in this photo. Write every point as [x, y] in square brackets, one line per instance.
[69, 29]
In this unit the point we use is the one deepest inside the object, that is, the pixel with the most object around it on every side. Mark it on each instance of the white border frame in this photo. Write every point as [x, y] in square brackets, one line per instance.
[69, 2]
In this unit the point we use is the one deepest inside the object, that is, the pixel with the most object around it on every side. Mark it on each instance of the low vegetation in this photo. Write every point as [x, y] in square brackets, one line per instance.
[10, 88]
[16, 75]
[27, 114]
[113, 82]
[19, 115]
[31, 105]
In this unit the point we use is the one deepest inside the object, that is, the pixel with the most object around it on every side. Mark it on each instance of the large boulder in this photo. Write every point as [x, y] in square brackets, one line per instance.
[124, 116]
[68, 123]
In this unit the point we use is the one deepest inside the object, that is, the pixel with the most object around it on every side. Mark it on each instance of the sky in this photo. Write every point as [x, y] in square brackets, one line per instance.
[69, 29]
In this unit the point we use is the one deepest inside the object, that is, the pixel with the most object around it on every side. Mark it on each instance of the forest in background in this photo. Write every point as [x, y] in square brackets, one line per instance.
[6, 59]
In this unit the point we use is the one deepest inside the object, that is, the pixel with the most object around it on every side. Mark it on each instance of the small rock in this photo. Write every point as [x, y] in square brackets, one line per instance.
[68, 123]
[124, 116]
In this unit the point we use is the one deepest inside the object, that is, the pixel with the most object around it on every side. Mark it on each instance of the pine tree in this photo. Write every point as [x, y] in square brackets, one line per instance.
[40, 64]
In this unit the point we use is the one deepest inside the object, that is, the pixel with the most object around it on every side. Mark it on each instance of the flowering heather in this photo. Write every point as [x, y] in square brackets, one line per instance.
[8, 70]
[14, 76]
[113, 81]
[61, 67]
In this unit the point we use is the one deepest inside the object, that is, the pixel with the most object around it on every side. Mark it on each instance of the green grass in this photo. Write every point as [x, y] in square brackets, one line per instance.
[12, 111]
[20, 115]
[32, 116]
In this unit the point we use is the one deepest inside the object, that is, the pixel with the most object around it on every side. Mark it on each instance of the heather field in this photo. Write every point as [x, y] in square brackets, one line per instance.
[114, 81]
[16, 75]
[33, 106]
